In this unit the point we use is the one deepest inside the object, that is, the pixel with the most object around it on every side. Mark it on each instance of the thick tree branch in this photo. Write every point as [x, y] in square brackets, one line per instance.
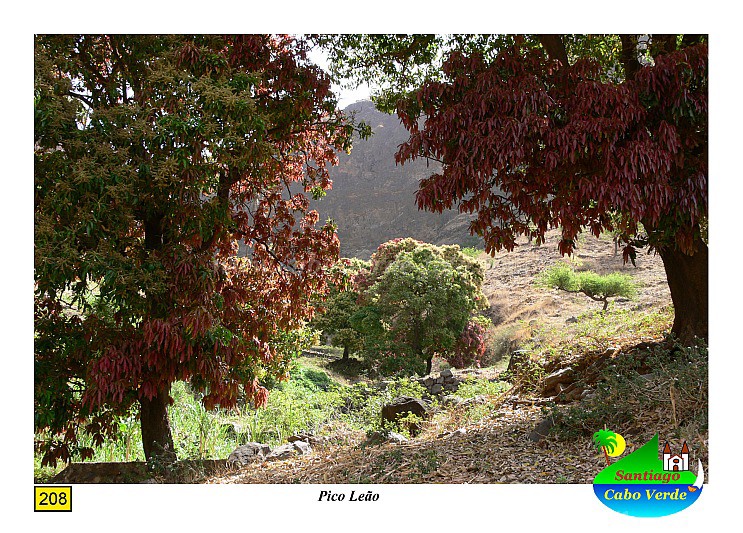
[629, 56]
[84, 99]
[662, 44]
[555, 48]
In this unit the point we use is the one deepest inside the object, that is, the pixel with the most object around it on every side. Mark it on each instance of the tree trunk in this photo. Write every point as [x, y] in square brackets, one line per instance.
[688, 279]
[157, 439]
[345, 353]
[429, 364]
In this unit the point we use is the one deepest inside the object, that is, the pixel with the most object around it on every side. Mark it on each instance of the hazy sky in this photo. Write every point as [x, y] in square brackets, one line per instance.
[345, 96]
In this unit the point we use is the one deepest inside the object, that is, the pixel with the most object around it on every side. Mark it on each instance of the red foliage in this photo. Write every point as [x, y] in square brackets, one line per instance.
[192, 310]
[521, 140]
[470, 347]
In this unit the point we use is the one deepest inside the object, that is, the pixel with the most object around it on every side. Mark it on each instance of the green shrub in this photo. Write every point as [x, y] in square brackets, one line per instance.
[418, 299]
[596, 286]
[472, 387]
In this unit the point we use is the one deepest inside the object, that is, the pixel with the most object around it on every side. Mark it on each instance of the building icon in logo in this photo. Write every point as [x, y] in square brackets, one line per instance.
[675, 462]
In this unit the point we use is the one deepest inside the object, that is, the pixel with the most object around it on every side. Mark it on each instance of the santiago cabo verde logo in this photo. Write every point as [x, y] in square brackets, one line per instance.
[642, 483]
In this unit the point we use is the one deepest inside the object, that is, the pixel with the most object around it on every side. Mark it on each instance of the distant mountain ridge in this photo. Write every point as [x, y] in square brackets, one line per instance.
[373, 198]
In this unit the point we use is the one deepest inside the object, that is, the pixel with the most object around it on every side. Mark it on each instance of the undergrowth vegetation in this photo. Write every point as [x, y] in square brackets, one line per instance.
[594, 331]
[342, 398]
[666, 385]
[311, 401]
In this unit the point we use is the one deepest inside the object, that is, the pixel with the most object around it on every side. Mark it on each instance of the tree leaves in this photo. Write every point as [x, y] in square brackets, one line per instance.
[183, 153]
[520, 141]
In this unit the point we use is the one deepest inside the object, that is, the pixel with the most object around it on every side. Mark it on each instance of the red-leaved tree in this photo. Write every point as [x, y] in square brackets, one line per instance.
[542, 135]
[157, 160]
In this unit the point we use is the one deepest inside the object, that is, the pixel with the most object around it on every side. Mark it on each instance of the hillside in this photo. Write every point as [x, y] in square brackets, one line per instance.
[490, 437]
[373, 199]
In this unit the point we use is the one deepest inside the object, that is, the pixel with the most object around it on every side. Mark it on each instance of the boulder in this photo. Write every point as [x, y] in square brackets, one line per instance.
[542, 429]
[401, 407]
[564, 375]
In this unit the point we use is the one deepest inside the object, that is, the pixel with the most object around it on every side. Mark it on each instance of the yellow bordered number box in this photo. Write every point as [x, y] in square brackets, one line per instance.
[53, 498]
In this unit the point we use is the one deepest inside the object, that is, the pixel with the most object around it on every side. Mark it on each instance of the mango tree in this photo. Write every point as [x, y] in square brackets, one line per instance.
[575, 132]
[157, 159]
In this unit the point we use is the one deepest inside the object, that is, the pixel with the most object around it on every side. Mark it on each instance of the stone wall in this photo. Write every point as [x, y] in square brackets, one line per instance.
[445, 382]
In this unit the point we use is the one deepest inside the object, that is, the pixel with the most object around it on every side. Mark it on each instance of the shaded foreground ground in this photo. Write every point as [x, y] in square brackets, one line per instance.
[493, 451]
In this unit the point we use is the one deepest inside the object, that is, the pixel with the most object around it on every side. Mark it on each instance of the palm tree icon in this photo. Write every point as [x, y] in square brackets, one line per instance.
[605, 440]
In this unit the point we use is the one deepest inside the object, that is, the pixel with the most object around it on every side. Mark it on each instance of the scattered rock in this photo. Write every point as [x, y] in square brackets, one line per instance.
[575, 394]
[446, 380]
[588, 394]
[378, 437]
[451, 400]
[571, 320]
[542, 429]
[396, 438]
[248, 453]
[562, 376]
[288, 450]
[309, 438]
[456, 432]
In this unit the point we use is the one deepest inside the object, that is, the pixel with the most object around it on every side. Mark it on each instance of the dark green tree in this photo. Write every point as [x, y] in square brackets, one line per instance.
[340, 306]
[418, 301]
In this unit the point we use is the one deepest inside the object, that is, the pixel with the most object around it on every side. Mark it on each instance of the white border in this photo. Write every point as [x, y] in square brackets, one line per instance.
[551, 508]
